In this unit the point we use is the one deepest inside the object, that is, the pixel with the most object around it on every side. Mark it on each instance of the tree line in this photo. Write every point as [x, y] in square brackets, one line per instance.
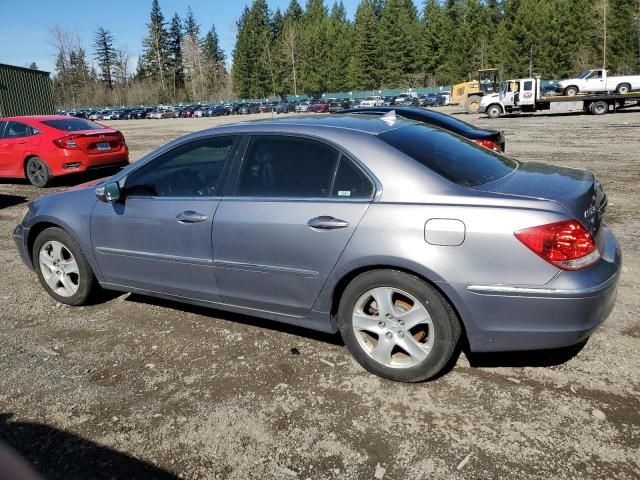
[177, 63]
[316, 48]
[392, 44]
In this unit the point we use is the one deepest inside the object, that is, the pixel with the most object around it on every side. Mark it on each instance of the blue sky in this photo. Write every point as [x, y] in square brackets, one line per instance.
[24, 25]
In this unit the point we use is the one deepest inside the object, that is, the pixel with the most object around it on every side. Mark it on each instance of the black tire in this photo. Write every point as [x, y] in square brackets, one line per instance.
[87, 283]
[494, 111]
[472, 104]
[38, 172]
[599, 107]
[445, 324]
[623, 88]
[571, 91]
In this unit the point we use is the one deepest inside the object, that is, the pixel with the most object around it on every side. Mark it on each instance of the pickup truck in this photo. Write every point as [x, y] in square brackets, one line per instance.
[373, 101]
[598, 81]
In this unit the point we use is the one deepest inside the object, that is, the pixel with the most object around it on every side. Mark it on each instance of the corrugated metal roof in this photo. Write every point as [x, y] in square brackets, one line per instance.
[24, 91]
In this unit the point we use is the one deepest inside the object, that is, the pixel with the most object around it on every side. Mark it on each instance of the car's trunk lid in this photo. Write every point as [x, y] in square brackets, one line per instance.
[98, 140]
[575, 189]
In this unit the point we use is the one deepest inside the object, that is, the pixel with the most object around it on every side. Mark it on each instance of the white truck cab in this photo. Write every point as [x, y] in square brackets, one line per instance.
[598, 81]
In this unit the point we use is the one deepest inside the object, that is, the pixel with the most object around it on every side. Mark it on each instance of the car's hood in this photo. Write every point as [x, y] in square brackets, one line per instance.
[485, 100]
[564, 83]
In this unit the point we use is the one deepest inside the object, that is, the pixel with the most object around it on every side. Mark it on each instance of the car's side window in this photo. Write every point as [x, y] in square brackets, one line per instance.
[351, 182]
[16, 130]
[3, 123]
[287, 166]
[192, 169]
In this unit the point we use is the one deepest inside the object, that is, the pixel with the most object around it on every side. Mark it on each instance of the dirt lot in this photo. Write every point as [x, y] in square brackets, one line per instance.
[138, 388]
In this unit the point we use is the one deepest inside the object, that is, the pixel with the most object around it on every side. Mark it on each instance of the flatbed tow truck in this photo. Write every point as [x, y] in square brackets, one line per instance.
[524, 95]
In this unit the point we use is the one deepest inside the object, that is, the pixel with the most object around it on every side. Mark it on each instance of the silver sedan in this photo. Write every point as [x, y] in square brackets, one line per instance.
[404, 238]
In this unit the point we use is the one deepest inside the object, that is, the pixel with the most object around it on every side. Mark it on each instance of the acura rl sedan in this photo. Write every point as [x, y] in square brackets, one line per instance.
[405, 238]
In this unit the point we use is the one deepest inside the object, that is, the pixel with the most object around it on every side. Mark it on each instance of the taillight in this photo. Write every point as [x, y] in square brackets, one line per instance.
[567, 244]
[490, 144]
[67, 142]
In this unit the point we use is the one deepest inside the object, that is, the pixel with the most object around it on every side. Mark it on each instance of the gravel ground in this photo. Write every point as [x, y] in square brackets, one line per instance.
[134, 387]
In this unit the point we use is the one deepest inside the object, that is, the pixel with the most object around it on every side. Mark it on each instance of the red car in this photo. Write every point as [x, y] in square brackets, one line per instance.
[42, 147]
[321, 106]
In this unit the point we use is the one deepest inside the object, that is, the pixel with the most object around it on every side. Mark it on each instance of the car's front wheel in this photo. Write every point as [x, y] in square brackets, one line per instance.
[397, 326]
[62, 268]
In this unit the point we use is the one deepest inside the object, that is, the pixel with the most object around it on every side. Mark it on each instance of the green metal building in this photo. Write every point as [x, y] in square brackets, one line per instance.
[24, 91]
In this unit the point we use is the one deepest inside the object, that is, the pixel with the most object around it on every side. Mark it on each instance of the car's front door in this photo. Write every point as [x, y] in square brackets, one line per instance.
[14, 137]
[158, 237]
[594, 82]
[278, 236]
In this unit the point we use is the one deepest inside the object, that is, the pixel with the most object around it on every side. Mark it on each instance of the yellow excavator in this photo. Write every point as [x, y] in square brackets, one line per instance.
[469, 93]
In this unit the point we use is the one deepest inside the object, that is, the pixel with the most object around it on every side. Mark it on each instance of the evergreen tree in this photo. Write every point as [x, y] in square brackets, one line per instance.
[251, 74]
[191, 27]
[215, 58]
[433, 42]
[104, 54]
[339, 33]
[315, 48]
[397, 38]
[363, 66]
[174, 51]
[155, 58]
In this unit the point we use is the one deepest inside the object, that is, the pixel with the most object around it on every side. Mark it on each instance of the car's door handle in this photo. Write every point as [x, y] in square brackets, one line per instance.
[327, 223]
[190, 216]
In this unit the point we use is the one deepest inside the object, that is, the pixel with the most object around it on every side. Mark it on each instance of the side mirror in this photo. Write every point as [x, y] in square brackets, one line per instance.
[109, 192]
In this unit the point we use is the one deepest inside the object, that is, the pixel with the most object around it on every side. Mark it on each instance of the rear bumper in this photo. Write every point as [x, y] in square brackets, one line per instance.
[560, 314]
[77, 162]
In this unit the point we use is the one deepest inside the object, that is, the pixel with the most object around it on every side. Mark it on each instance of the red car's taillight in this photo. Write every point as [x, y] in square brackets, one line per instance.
[490, 144]
[66, 142]
[567, 244]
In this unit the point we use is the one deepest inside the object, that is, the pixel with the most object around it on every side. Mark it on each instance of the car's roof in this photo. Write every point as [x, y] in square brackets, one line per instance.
[373, 124]
[38, 118]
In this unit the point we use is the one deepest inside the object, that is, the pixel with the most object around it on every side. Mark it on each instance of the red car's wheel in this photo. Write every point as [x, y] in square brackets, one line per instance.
[38, 172]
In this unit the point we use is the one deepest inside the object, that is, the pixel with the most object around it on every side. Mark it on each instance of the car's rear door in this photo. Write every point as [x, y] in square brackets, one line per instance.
[158, 238]
[294, 207]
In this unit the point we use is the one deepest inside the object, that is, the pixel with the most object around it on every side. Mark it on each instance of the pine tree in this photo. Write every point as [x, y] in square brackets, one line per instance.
[397, 37]
[363, 66]
[315, 48]
[215, 58]
[191, 27]
[104, 54]
[339, 33]
[251, 73]
[174, 51]
[432, 43]
[155, 59]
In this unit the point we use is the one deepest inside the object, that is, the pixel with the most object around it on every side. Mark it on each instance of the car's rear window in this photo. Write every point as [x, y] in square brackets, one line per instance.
[71, 124]
[449, 155]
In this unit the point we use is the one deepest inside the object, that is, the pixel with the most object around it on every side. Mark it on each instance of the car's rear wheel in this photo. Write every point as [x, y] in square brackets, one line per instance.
[397, 326]
[38, 172]
[62, 268]
[623, 88]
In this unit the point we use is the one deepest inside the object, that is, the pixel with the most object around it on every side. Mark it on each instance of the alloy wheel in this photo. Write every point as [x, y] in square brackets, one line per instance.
[37, 173]
[59, 268]
[393, 327]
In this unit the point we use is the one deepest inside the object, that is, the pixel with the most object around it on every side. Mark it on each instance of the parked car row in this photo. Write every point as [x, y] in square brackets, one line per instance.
[320, 105]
